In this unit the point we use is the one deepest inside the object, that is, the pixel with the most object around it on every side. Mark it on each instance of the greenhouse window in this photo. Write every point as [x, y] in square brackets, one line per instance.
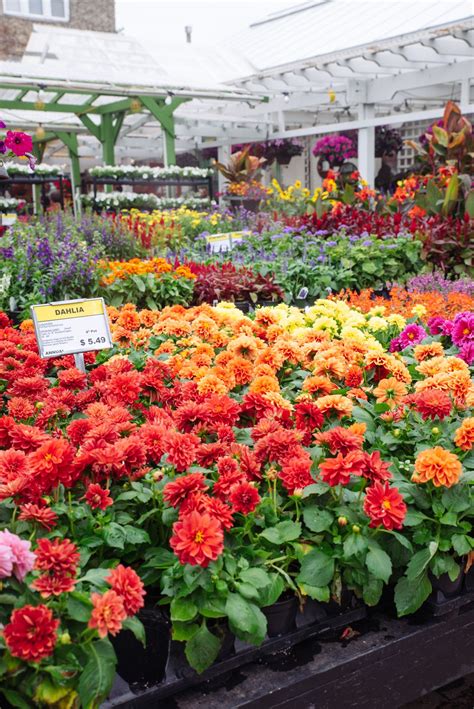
[51, 10]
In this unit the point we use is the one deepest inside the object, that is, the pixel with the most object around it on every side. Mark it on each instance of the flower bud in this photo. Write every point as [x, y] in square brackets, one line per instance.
[65, 639]
[272, 474]
[356, 528]
[157, 475]
[435, 430]
[298, 492]
[342, 521]
[396, 433]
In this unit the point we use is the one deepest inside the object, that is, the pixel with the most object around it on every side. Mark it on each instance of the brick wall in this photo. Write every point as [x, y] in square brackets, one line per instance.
[98, 15]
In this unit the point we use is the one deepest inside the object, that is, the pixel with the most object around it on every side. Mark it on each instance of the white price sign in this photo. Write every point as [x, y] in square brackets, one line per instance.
[71, 327]
[226, 241]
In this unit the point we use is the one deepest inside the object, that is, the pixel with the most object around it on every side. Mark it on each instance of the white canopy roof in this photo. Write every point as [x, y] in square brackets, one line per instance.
[387, 61]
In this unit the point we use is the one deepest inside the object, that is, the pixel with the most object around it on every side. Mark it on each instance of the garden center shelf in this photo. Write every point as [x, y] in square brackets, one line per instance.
[387, 663]
[164, 182]
[41, 180]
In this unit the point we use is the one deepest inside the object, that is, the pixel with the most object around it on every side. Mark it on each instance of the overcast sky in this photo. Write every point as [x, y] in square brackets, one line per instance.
[163, 21]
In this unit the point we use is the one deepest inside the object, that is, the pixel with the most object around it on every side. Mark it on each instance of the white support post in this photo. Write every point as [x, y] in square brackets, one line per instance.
[465, 94]
[366, 145]
[223, 156]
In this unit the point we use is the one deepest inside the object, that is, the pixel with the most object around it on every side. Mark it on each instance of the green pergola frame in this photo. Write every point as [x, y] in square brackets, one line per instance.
[111, 114]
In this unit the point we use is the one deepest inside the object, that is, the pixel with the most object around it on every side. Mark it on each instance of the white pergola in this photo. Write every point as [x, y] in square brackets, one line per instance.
[376, 63]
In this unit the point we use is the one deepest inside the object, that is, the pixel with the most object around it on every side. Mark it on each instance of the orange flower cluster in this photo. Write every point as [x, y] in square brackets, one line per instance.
[114, 270]
[402, 302]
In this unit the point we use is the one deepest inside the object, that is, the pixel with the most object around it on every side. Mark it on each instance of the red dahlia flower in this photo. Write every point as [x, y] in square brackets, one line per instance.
[375, 468]
[108, 613]
[244, 497]
[181, 449]
[57, 556]
[296, 474]
[197, 539]
[128, 585]
[45, 516]
[338, 470]
[98, 498]
[433, 403]
[177, 491]
[31, 633]
[385, 506]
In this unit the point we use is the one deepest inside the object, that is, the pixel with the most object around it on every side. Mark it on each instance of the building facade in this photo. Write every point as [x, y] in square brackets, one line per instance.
[18, 16]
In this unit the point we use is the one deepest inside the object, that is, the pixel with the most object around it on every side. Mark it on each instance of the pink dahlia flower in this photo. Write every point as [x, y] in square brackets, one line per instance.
[22, 558]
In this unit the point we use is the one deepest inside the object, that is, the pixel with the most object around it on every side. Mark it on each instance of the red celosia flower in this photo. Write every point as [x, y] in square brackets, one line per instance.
[181, 449]
[108, 613]
[385, 506]
[338, 470]
[97, 497]
[244, 497]
[128, 585]
[433, 403]
[296, 474]
[45, 516]
[197, 539]
[31, 633]
[176, 491]
[375, 468]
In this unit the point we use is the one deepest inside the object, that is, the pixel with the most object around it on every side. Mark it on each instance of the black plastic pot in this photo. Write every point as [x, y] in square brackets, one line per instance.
[143, 665]
[267, 302]
[447, 587]
[281, 616]
[243, 306]
[469, 580]
[15, 316]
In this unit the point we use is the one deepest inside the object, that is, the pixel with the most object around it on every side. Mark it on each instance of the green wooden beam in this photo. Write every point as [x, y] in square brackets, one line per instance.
[91, 126]
[16, 105]
[48, 137]
[57, 97]
[72, 144]
[164, 114]
[114, 106]
[117, 124]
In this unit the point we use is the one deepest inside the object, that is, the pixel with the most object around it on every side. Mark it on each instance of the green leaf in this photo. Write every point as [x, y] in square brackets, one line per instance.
[402, 540]
[450, 519]
[372, 590]
[410, 595]
[135, 625]
[456, 498]
[96, 577]
[183, 609]
[79, 606]
[286, 531]
[271, 593]
[461, 544]
[248, 591]
[317, 593]
[354, 544]
[379, 564]
[315, 489]
[183, 631]
[114, 535]
[97, 677]
[420, 561]
[316, 519]
[413, 517]
[133, 535]
[317, 569]
[15, 698]
[202, 649]
[246, 619]
[469, 204]
[256, 577]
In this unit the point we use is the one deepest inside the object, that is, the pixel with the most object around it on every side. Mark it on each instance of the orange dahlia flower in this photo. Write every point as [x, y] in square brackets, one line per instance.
[390, 391]
[197, 539]
[107, 614]
[464, 436]
[440, 466]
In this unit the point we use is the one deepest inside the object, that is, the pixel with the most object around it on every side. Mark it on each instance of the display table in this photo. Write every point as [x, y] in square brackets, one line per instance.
[390, 663]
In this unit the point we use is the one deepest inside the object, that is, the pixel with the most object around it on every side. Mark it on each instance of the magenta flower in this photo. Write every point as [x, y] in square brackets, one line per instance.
[463, 328]
[19, 143]
[447, 328]
[435, 325]
[2, 124]
[412, 335]
[395, 345]
[467, 353]
[22, 558]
